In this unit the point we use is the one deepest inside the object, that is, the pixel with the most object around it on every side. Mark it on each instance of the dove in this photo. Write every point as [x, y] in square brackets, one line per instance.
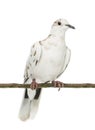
[47, 61]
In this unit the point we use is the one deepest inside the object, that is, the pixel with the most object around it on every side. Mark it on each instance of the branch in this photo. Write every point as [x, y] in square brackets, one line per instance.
[48, 85]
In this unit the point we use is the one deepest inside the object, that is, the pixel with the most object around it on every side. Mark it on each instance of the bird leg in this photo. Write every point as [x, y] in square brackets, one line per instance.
[34, 84]
[57, 84]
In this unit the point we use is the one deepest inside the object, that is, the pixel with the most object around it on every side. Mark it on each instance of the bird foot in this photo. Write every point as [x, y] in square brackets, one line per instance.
[57, 84]
[34, 84]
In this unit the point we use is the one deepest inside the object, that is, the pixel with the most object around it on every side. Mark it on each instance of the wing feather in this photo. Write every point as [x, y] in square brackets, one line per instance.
[67, 59]
[33, 60]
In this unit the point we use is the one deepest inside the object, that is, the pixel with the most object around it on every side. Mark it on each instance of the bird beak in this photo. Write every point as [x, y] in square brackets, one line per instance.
[70, 26]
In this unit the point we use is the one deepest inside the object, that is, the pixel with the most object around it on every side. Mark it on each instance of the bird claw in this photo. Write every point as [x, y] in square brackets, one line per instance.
[57, 84]
[34, 85]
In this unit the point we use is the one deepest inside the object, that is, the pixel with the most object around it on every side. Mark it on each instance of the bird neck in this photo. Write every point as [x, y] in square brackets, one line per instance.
[58, 33]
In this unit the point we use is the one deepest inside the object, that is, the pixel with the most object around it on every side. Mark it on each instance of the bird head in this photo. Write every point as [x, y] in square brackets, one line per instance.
[60, 26]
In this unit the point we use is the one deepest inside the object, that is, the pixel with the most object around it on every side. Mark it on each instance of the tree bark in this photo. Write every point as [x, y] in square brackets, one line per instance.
[48, 85]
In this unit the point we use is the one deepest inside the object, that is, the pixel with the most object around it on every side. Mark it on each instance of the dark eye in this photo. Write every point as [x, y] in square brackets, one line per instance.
[59, 23]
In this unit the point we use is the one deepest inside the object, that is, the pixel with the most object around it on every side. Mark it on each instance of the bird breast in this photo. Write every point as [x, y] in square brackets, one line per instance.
[51, 63]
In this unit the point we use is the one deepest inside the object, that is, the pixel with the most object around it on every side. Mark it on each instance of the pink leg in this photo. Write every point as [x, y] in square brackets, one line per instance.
[57, 84]
[34, 85]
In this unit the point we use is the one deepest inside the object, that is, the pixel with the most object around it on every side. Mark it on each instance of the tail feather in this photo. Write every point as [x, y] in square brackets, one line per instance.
[30, 104]
[34, 108]
[38, 92]
[24, 112]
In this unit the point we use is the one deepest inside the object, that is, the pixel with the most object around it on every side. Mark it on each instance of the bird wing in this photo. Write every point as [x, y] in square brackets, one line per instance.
[67, 59]
[33, 60]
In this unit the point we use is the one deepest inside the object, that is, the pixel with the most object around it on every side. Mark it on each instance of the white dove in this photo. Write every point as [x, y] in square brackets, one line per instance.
[47, 61]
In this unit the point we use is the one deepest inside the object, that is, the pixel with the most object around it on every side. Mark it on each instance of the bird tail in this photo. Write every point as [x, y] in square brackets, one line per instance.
[30, 104]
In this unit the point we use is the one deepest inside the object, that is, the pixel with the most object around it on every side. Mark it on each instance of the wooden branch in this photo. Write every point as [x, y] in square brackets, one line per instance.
[47, 85]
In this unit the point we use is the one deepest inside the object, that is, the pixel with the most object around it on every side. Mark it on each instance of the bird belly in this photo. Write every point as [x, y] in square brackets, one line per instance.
[50, 65]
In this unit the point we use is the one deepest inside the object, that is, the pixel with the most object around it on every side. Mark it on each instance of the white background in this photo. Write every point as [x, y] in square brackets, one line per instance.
[22, 22]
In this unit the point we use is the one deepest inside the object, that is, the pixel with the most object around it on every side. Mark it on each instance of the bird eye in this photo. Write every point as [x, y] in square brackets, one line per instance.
[59, 23]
